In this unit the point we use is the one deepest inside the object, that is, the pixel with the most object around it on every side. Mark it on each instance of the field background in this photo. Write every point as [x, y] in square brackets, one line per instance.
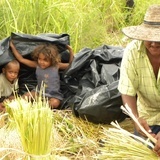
[90, 23]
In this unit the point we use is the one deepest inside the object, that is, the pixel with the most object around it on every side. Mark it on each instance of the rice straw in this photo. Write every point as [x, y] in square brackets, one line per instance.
[120, 130]
[119, 145]
[127, 110]
[34, 122]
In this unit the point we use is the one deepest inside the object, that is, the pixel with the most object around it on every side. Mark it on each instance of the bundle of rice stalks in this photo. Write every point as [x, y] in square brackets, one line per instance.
[128, 111]
[122, 145]
[34, 122]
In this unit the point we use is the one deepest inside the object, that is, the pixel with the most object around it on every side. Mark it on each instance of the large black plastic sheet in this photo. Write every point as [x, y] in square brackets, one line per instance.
[93, 78]
[25, 44]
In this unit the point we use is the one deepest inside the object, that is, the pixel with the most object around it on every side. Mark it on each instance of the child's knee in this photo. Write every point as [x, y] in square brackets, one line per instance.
[54, 103]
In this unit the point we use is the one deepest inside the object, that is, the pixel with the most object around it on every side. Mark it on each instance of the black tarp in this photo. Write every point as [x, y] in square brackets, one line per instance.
[93, 78]
[89, 85]
[25, 44]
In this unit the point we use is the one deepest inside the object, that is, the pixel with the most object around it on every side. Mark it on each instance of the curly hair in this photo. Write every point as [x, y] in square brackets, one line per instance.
[49, 51]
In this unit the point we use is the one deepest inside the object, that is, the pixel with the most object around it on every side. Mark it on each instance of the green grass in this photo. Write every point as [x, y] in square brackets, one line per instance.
[89, 23]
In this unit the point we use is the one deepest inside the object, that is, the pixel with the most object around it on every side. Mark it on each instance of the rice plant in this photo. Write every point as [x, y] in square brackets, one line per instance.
[34, 122]
[89, 23]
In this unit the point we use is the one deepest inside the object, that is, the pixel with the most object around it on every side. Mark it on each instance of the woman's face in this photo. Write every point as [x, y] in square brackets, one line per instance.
[153, 47]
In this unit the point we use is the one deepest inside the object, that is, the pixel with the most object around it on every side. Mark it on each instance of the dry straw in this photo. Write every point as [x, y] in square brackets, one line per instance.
[64, 137]
[121, 144]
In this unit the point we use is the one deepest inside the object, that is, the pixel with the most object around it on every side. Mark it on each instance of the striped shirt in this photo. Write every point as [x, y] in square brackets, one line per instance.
[137, 78]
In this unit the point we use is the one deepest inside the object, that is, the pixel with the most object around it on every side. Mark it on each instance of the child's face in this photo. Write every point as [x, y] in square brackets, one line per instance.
[11, 72]
[43, 62]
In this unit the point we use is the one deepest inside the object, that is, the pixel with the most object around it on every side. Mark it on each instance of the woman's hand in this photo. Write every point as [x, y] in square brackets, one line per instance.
[144, 124]
[157, 145]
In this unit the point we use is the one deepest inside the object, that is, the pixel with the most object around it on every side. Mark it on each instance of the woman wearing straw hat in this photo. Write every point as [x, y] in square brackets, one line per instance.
[139, 81]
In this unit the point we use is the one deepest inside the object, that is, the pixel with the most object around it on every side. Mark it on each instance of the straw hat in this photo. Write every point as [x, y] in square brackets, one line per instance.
[149, 30]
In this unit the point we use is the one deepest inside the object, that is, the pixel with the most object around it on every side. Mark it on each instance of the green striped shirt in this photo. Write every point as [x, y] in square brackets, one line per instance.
[137, 77]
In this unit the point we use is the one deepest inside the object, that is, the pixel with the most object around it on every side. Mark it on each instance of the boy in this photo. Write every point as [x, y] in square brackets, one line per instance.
[8, 81]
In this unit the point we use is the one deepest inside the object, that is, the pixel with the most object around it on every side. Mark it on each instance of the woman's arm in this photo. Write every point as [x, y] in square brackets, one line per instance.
[131, 101]
[63, 66]
[157, 145]
[20, 58]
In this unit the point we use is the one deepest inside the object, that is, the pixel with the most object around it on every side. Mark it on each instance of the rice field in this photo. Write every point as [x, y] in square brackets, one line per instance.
[90, 24]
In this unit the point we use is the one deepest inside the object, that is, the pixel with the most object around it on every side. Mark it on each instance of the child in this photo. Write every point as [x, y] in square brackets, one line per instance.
[46, 60]
[8, 81]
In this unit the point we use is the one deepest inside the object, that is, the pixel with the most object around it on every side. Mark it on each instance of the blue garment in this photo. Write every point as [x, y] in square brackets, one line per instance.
[50, 77]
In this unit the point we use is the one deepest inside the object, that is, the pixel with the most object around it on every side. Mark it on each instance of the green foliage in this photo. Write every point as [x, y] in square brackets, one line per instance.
[90, 23]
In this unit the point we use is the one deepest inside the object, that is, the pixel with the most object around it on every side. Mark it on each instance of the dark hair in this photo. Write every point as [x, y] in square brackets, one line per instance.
[49, 51]
[12, 62]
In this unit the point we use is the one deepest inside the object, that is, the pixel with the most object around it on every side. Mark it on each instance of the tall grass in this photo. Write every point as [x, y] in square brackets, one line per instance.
[89, 23]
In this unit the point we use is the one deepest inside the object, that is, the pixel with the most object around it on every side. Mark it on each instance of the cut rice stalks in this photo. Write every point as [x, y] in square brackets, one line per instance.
[120, 145]
[127, 110]
[34, 122]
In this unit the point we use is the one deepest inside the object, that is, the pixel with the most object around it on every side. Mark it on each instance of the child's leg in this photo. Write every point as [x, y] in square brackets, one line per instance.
[29, 95]
[54, 103]
[2, 107]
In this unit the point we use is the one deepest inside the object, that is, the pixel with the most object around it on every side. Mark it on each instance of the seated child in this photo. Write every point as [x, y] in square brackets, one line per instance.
[8, 81]
[47, 62]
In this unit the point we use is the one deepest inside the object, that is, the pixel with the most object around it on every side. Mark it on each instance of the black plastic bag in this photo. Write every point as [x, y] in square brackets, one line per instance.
[93, 77]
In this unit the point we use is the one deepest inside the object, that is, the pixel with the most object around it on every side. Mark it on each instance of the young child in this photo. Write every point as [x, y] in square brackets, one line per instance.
[8, 81]
[46, 60]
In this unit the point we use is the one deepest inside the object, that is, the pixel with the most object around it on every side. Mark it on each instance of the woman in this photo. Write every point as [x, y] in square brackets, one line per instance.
[139, 81]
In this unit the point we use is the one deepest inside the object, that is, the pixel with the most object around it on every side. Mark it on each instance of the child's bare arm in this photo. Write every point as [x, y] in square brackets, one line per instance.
[20, 58]
[71, 53]
[63, 66]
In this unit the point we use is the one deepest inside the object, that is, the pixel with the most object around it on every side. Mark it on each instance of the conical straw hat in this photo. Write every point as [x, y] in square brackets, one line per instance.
[149, 30]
